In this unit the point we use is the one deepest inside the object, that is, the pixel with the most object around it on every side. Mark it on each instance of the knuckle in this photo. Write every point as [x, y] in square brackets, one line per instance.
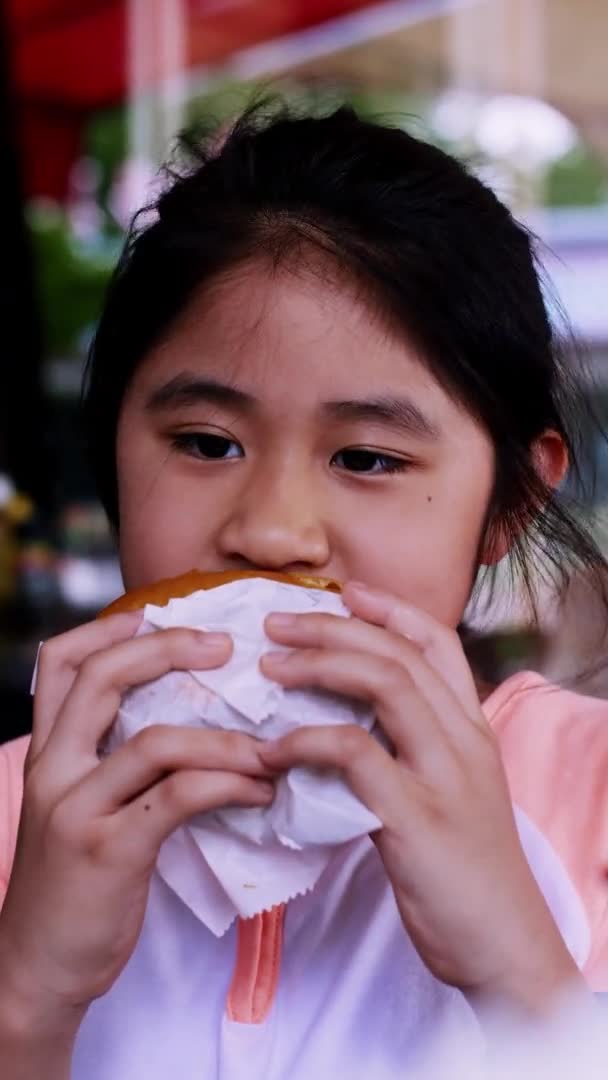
[35, 790]
[57, 654]
[51, 656]
[61, 824]
[175, 791]
[241, 788]
[93, 669]
[94, 843]
[233, 787]
[395, 679]
[354, 742]
[152, 744]
[297, 741]
[227, 784]
[233, 743]
[322, 626]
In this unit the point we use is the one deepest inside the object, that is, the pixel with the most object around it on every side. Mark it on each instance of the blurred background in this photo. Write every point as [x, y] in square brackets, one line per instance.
[92, 93]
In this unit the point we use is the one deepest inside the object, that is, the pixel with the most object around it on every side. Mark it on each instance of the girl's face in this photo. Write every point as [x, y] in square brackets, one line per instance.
[280, 426]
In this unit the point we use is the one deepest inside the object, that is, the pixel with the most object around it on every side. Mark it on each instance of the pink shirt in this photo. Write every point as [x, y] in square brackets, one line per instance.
[554, 744]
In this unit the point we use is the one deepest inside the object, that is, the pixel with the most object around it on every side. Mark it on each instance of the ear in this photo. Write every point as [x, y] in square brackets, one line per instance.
[550, 458]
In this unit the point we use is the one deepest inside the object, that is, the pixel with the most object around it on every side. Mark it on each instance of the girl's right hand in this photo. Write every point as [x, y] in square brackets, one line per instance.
[90, 830]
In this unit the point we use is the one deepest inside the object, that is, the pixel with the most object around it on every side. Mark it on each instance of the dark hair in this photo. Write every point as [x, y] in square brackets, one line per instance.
[434, 249]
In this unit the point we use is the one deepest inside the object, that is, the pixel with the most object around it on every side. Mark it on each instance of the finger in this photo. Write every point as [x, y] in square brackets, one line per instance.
[93, 701]
[142, 826]
[440, 645]
[59, 660]
[158, 750]
[382, 785]
[333, 632]
[404, 715]
[326, 631]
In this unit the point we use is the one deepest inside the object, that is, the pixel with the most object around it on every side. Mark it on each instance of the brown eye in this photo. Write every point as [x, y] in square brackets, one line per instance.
[207, 446]
[369, 462]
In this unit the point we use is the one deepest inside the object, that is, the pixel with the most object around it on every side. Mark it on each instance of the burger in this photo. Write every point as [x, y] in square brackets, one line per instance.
[161, 592]
[256, 853]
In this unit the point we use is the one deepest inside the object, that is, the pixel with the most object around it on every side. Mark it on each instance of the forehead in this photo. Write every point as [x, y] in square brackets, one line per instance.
[292, 336]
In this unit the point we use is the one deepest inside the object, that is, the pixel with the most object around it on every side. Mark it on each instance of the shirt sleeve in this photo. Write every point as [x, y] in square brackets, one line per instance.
[554, 744]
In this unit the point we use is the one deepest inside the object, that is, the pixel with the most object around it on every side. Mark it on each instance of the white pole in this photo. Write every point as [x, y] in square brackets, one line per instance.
[156, 58]
[173, 56]
[140, 125]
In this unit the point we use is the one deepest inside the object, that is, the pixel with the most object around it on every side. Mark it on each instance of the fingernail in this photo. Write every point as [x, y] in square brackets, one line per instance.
[359, 586]
[281, 618]
[276, 657]
[130, 617]
[214, 641]
[266, 789]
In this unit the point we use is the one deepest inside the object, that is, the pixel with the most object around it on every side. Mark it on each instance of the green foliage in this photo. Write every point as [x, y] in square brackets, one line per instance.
[106, 141]
[71, 280]
[580, 178]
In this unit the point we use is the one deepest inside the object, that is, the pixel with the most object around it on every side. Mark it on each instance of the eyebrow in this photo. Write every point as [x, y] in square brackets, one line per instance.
[187, 390]
[399, 413]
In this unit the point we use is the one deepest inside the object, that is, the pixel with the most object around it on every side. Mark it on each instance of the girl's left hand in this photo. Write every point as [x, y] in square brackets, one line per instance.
[449, 842]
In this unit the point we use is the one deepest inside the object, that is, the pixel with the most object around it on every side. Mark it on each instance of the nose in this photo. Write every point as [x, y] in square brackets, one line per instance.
[277, 523]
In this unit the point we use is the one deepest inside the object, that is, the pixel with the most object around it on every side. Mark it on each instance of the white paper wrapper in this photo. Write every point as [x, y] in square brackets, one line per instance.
[243, 861]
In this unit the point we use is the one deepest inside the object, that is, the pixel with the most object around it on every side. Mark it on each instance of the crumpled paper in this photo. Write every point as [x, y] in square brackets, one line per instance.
[241, 861]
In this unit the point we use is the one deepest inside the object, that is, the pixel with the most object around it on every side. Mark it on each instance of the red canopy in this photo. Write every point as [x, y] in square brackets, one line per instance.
[70, 56]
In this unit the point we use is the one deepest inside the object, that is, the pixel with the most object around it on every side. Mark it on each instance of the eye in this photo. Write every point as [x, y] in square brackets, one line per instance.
[206, 446]
[369, 462]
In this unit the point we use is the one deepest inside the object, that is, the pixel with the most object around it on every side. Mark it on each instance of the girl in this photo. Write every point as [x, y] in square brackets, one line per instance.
[329, 352]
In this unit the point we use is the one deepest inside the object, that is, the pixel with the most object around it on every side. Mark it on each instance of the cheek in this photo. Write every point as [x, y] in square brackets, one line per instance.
[430, 559]
[452, 548]
[160, 534]
[450, 567]
[153, 544]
